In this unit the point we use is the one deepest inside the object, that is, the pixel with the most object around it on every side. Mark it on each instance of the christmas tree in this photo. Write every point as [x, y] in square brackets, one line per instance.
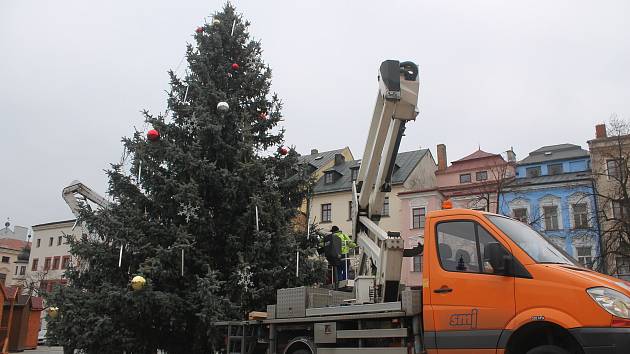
[203, 215]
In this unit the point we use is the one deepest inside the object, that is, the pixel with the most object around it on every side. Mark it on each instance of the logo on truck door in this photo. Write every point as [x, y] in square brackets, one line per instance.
[464, 319]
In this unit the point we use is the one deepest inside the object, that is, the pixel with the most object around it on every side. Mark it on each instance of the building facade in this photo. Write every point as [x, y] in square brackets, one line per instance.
[314, 165]
[11, 252]
[474, 181]
[50, 254]
[553, 192]
[610, 153]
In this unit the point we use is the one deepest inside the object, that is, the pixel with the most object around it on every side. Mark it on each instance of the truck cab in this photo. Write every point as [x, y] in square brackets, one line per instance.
[492, 284]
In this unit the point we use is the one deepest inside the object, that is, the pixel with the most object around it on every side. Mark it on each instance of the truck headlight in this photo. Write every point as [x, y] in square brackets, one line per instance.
[616, 303]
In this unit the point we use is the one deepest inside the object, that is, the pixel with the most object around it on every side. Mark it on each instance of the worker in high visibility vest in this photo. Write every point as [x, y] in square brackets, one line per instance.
[346, 245]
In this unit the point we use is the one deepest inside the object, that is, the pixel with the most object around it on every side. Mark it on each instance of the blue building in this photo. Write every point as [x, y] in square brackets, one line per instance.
[553, 192]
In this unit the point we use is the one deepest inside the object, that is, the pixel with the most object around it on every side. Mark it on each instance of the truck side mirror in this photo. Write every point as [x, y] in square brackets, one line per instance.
[508, 265]
[500, 260]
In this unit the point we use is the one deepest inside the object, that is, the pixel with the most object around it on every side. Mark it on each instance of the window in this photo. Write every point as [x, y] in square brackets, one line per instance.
[328, 178]
[623, 265]
[3, 278]
[520, 214]
[50, 241]
[386, 207]
[16, 270]
[533, 171]
[5, 259]
[619, 213]
[532, 242]
[463, 246]
[56, 262]
[39, 242]
[22, 270]
[551, 217]
[465, 178]
[59, 240]
[65, 262]
[457, 246]
[585, 256]
[613, 167]
[481, 175]
[35, 264]
[417, 218]
[417, 264]
[580, 216]
[354, 173]
[554, 169]
[326, 212]
[47, 263]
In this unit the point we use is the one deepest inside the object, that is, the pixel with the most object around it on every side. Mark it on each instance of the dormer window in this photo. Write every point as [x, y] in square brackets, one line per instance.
[554, 169]
[328, 177]
[533, 171]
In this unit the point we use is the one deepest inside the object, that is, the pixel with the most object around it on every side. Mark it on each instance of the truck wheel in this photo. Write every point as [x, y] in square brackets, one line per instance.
[548, 349]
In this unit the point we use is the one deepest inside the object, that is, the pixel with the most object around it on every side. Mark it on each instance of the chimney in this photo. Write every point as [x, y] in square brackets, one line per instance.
[600, 131]
[511, 155]
[441, 157]
[314, 151]
[339, 159]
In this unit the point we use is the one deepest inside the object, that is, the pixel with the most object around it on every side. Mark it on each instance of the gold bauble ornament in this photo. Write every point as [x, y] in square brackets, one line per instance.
[53, 311]
[138, 282]
[216, 22]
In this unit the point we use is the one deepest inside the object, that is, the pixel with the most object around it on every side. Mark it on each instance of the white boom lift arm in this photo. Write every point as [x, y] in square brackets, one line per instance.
[72, 192]
[395, 105]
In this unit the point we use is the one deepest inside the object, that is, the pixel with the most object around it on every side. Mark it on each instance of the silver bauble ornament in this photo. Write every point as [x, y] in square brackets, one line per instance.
[223, 106]
[216, 22]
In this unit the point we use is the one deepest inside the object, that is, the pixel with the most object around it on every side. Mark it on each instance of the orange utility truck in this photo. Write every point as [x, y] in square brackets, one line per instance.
[490, 284]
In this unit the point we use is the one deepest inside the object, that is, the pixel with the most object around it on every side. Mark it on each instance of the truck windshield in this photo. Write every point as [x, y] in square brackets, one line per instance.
[533, 243]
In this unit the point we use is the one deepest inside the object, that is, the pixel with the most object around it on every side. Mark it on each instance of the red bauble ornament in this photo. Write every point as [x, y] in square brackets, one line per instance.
[199, 30]
[283, 150]
[235, 66]
[153, 135]
[262, 116]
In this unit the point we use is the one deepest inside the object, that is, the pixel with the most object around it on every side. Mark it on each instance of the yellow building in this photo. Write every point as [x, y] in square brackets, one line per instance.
[10, 271]
[315, 164]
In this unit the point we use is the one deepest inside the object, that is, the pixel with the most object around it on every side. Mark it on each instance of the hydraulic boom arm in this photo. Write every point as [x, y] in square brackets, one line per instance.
[70, 195]
[395, 105]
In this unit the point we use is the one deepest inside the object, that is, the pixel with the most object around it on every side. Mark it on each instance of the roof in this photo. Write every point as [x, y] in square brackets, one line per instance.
[55, 223]
[320, 159]
[551, 179]
[13, 244]
[406, 162]
[479, 154]
[554, 153]
[464, 164]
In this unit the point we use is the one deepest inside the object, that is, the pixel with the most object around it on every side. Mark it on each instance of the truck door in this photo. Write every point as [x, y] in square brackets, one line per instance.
[471, 302]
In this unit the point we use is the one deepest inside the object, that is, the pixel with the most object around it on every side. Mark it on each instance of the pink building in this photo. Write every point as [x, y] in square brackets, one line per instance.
[470, 182]
[476, 180]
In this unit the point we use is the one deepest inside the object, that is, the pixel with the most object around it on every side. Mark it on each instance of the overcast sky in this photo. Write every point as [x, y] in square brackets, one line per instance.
[75, 74]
